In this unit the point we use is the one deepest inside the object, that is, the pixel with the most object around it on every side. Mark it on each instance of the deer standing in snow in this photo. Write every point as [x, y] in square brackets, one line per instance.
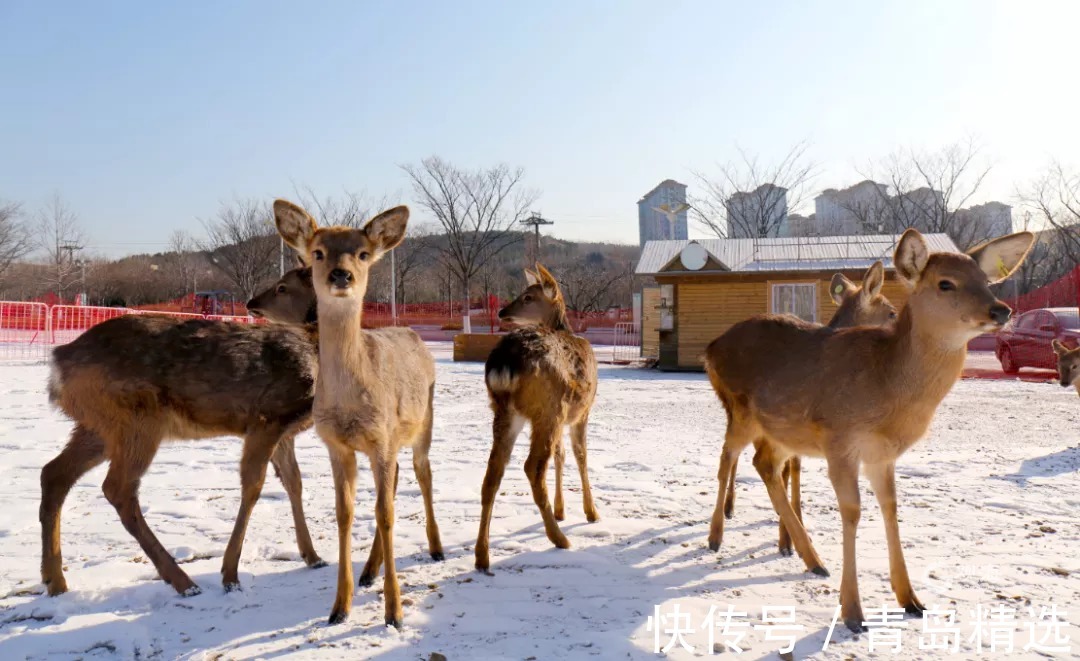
[373, 393]
[857, 305]
[544, 374]
[883, 387]
[131, 382]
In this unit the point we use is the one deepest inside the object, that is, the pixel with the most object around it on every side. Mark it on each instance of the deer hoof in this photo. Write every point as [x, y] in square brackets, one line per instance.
[366, 581]
[820, 571]
[337, 617]
[233, 586]
[438, 556]
[914, 608]
[785, 551]
[56, 588]
[394, 622]
[193, 591]
[854, 624]
[317, 563]
[714, 546]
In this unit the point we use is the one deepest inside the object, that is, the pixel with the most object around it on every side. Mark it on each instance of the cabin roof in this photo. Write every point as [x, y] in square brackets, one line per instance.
[824, 253]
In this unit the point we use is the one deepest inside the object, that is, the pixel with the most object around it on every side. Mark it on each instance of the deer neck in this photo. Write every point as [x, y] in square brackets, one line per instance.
[557, 319]
[343, 357]
[922, 364]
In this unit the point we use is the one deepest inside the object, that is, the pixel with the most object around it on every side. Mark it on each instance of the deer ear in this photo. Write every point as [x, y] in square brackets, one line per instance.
[999, 258]
[873, 280]
[301, 261]
[531, 278]
[388, 228]
[1059, 348]
[840, 288]
[295, 225]
[911, 256]
[551, 286]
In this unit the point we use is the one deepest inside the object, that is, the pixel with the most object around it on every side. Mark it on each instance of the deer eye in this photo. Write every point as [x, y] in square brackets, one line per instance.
[946, 285]
[318, 255]
[281, 289]
[892, 314]
[528, 298]
[364, 255]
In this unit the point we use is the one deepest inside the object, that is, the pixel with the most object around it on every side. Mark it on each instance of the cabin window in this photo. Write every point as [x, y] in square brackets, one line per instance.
[797, 299]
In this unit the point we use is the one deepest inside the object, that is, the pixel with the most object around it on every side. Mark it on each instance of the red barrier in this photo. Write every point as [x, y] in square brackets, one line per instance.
[24, 331]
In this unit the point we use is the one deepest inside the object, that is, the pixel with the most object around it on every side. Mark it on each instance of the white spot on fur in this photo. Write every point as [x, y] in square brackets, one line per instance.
[56, 381]
[500, 380]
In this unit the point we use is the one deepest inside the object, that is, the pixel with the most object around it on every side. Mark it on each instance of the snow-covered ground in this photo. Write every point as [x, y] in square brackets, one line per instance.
[989, 517]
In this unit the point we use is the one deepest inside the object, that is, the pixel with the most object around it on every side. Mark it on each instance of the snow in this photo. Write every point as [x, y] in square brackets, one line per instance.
[989, 506]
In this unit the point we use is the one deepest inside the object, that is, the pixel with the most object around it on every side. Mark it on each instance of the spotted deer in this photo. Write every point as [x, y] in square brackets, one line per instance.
[373, 393]
[544, 374]
[1068, 365]
[884, 385]
[857, 305]
[132, 382]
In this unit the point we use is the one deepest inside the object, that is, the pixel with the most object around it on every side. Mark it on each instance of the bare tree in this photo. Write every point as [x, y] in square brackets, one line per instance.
[59, 237]
[15, 240]
[243, 244]
[750, 199]
[350, 209]
[478, 211]
[1055, 198]
[412, 255]
[926, 190]
[592, 285]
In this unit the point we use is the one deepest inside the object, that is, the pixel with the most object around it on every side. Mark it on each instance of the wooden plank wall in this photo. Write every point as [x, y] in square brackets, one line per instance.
[705, 310]
[650, 322]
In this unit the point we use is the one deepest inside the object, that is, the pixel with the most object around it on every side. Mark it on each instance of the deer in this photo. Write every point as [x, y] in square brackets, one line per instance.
[542, 373]
[856, 306]
[885, 384]
[373, 394]
[1068, 364]
[134, 381]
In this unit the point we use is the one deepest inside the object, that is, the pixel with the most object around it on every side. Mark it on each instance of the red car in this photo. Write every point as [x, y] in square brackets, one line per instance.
[1025, 340]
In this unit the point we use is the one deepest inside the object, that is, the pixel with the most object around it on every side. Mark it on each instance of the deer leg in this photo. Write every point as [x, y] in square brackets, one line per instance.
[844, 475]
[544, 437]
[578, 440]
[131, 458]
[729, 504]
[560, 460]
[505, 430]
[385, 484]
[784, 543]
[422, 468]
[883, 481]
[258, 448]
[375, 558]
[343, 466]
[287, 470]
[84, 451]
[770, 465]
[736, 438]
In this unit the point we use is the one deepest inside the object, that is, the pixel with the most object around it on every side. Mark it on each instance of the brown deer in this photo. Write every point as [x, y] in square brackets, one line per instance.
[857, 306]
[131, 382]
[291, 300]
[884, 385]
[544, 374]
[1068, 365]
[374, 389]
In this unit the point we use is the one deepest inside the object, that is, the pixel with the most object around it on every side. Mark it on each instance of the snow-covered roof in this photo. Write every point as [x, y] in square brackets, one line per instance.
[786, 254]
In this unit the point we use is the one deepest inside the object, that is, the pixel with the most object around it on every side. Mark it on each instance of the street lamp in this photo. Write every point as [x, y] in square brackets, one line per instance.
[671, 215]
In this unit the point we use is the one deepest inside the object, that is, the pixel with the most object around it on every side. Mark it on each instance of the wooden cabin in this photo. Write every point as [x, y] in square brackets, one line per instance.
[703, 287]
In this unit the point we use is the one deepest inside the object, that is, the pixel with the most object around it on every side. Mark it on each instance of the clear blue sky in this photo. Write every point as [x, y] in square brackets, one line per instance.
[145, 115]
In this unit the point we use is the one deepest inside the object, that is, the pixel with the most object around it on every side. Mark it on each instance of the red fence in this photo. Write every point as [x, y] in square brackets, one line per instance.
[29, 330]
[1062, 293]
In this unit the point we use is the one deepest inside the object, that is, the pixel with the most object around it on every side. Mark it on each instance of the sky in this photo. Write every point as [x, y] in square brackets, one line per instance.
[146, 117]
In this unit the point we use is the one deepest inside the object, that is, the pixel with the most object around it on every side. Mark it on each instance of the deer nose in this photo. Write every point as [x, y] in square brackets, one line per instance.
[340, 277]
[1000, 313]
[502, 313]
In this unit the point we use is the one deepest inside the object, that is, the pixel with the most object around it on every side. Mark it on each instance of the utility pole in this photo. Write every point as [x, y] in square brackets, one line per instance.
[536, 221]
[393, 288]
[71, 247]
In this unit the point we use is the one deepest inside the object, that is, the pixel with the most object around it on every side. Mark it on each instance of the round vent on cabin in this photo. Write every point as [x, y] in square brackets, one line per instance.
[693, 256]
